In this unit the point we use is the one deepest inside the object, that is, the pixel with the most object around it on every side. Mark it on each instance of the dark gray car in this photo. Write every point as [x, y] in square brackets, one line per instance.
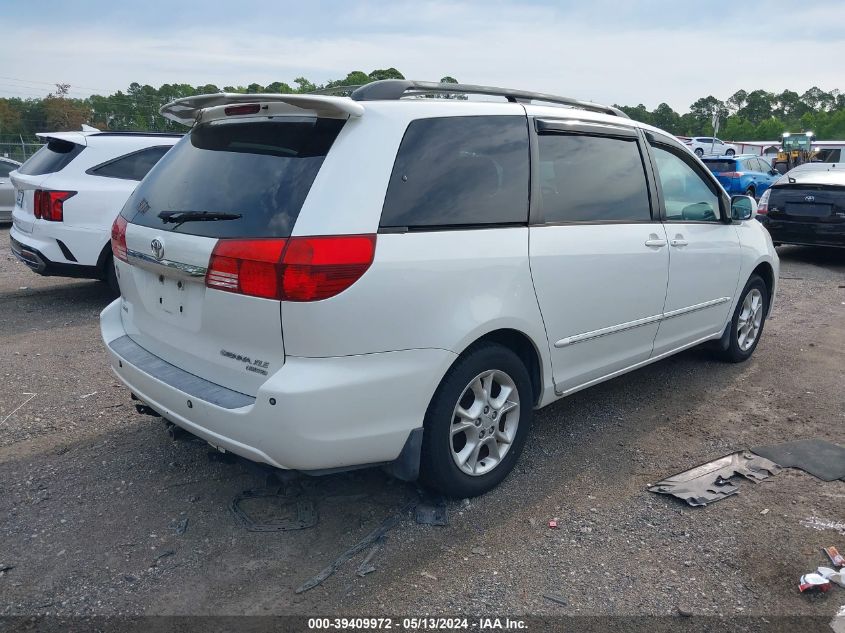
[7, 191]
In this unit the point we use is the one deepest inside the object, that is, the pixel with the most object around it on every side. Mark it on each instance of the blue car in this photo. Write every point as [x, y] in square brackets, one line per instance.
[743, 175]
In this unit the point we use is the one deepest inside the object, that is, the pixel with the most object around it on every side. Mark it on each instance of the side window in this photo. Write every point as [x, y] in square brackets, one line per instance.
[592, 179]
[132, 166]
[686, 195]
[455, 171]
[750, 165]
[764, 165]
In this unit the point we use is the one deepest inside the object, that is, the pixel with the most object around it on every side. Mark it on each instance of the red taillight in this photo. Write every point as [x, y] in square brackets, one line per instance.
[247, 108]
[49, 205]
[296, 269]
[249, 267]
[118, 238]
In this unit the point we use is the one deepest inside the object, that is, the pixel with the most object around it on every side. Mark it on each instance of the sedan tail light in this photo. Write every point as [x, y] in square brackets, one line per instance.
[49, 205]
[293, 269]
[763, 204]
[118, 238]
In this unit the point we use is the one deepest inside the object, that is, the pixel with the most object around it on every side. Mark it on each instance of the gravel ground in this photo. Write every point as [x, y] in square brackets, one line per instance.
[92, 495]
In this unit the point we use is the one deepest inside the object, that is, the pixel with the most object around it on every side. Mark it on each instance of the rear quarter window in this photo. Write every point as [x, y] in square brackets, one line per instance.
[460, 171]
[720, 166]
[52, 157]
[132, 166]
[259, 170]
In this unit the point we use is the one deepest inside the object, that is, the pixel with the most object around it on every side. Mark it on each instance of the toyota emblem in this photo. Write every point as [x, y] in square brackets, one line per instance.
[809, 198]
[157, 247]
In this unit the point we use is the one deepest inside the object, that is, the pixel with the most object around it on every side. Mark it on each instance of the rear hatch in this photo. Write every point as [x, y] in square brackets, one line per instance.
[807, 203]
[235, 182]
[724, 170]
[35, 173]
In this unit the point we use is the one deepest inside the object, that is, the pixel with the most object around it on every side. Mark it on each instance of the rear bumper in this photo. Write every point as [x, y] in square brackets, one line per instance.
[32, 252]
[806, 233]
[329, 413]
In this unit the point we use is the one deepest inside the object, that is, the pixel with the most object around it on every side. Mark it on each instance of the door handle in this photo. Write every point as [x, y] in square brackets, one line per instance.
[678, 242]
[655, 243]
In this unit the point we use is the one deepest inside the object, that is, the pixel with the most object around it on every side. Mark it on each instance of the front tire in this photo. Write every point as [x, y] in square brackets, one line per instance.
[699, 152]
[477, 422]
[747, 322]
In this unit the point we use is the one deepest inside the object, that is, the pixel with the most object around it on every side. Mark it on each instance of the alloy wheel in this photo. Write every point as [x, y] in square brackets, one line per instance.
[750, 320]
[484, 422]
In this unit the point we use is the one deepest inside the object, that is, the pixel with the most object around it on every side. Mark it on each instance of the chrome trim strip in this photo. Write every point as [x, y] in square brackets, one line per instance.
[622, 327]
[613, 329]
[695, 308]
[151, 263]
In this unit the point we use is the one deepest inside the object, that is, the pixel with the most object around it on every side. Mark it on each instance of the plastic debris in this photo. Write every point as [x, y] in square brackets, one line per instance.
[366, 566]
[832, 575]
[813, 582]
[709, 482]
[289, 513]
[553, 524]
[556, 598]
[835, 557]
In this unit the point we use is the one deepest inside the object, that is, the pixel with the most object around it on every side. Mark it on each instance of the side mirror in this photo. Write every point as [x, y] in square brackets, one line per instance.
[743, 208]
[774, 172]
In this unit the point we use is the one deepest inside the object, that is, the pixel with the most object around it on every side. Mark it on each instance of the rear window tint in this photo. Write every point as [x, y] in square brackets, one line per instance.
[719, 166]
[52, 157]
[460, 171]
[132, 166]
[259, 170]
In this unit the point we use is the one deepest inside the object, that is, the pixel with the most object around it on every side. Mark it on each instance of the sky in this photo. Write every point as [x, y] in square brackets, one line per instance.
[625, 52]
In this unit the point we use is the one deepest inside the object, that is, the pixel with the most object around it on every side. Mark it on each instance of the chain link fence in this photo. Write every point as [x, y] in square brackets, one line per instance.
[19, 151]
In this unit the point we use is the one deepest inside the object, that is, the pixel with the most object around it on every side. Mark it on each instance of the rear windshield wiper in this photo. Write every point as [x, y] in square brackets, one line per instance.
[178, 217]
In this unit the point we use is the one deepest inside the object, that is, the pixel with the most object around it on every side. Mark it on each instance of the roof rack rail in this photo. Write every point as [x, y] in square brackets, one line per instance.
[391, 89]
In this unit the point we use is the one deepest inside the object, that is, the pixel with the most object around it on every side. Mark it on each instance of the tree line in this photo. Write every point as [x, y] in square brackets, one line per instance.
[756, 115]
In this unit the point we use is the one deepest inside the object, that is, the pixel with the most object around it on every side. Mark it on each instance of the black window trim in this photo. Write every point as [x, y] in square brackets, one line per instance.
[665, 143]
[437, 228]
[554, 127]
[91, 171]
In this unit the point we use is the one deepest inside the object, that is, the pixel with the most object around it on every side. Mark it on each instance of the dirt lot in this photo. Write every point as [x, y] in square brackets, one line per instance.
[91, 493]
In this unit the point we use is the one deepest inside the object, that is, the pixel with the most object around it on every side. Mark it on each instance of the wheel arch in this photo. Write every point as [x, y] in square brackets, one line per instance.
[767, 273]
[524, 347]
[103, 258]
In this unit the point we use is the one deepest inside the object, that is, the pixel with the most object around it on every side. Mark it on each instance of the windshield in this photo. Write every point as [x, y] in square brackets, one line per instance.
[250, 176]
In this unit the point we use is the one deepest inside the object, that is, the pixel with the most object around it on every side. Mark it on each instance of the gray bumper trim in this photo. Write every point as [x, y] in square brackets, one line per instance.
[177, 378]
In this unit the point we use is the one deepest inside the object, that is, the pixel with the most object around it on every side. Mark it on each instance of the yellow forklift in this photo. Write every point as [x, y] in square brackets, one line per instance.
[796, 149]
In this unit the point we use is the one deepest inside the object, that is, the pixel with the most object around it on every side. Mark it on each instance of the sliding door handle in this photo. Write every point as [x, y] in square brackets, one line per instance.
[678, 242]
[655, 243]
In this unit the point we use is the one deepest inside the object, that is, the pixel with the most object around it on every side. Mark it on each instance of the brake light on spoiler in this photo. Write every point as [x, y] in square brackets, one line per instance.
[292, 269]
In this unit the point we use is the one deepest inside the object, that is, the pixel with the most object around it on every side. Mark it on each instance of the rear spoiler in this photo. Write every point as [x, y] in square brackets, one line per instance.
[77, 138]
[187, 109]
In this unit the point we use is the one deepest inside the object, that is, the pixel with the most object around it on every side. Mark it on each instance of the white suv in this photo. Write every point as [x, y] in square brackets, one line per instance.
[320, 282]
[68, 194]
[709, 146]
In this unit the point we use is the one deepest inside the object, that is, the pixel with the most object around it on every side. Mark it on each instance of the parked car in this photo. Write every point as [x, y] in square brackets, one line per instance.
[709, 146]
[289, 302]
[7, 192]
[68, 193]
[806, 206]
[745, 174]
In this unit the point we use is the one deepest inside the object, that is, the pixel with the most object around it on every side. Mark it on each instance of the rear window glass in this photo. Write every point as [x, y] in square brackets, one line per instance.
[719, 166]
[133, 166]
[460, 171]
[592, 179]
[251, 175]
[52, 157]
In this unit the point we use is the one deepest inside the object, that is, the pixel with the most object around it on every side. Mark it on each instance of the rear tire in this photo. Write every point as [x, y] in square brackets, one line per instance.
[750, 192]
[699, 152]
[110, 276]
[730, 152]
[747, 323]
[491, 388]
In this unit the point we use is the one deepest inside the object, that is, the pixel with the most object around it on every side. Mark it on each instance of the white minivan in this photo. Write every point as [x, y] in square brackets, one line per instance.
[322, 282]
